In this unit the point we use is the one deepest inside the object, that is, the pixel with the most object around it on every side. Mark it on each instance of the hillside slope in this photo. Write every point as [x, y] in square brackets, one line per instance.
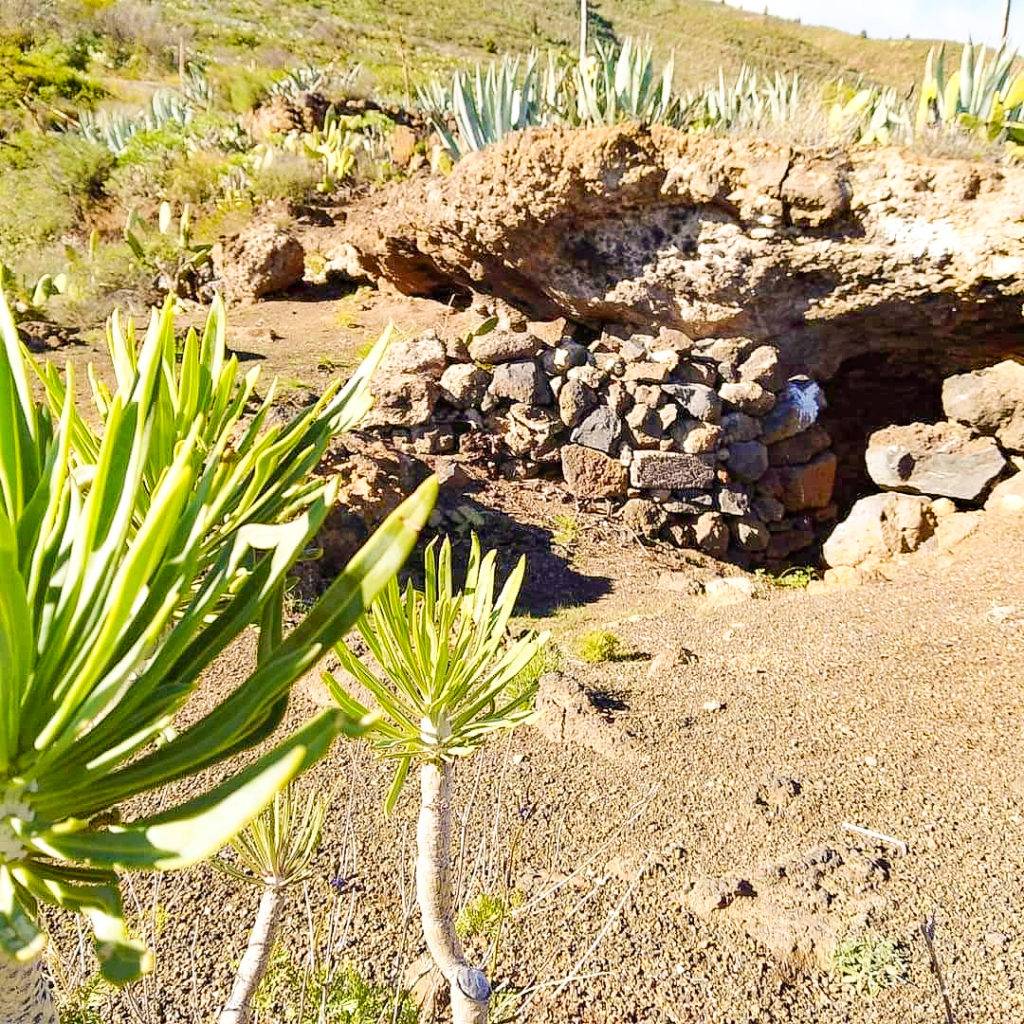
[396, 37]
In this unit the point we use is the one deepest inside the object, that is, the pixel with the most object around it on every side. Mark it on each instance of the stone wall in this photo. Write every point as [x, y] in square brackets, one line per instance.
[722, 454]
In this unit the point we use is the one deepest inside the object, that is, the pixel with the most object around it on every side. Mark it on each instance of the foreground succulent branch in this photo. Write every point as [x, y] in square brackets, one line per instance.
[451, 680]
[130, 559]
[274, 852]
[468, 986]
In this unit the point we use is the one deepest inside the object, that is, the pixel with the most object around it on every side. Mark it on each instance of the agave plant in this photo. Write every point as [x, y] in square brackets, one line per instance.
[274, 853]
[314, 78]
[116, 130]
[868, 115]
[623, 85]
[448, 683]
[749, 102]
[113, 604]
[983, 95]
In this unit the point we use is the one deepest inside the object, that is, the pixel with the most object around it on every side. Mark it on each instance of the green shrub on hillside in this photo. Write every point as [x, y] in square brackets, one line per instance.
[46, 182]
[50, 72]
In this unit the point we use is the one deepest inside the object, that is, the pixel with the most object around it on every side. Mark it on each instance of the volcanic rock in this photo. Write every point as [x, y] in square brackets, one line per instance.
[940, 460]
[991, 401]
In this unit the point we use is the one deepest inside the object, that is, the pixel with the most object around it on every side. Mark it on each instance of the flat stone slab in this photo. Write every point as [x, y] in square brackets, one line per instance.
[941, 459]
[672, 471]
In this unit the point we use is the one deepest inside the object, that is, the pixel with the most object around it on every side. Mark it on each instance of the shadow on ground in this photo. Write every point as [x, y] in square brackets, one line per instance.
[550, 584]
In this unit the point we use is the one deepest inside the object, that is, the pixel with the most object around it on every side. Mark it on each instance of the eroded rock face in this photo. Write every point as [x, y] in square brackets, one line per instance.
[726, 242]
[941, 459]
[991, 401]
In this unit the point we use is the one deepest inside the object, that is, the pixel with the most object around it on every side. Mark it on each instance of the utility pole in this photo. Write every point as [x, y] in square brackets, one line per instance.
[583, 28]
[1006, 21]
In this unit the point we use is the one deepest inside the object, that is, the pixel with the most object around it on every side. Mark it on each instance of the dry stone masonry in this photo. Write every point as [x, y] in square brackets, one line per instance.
[722, 455]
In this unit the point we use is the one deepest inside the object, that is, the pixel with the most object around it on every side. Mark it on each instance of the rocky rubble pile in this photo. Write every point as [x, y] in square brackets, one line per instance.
[718, 452]
[925, 469]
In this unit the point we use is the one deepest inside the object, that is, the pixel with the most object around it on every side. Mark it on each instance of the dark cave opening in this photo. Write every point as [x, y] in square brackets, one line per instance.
[867, 393]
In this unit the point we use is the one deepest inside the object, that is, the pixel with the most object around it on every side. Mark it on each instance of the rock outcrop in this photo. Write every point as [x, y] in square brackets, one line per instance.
[824, 254]
[991, 401]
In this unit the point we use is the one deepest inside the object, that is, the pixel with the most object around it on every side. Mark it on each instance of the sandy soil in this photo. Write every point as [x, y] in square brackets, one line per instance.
[896, 707]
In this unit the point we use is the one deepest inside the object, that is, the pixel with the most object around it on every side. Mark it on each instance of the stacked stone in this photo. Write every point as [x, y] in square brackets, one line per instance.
[721, 455]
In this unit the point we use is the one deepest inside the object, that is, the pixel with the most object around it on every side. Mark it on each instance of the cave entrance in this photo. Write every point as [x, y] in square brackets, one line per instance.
[867, 393]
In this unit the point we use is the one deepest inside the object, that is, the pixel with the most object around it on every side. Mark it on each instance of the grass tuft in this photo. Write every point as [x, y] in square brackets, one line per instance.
[599, 646]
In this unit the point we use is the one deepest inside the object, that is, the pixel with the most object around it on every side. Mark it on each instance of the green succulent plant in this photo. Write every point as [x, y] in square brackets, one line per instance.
[125, 576]
[984, 95]
[448, 682]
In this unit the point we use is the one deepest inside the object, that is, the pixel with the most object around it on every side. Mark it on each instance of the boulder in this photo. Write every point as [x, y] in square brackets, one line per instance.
[258, 261]
[711, 533]
[734, 500]
[795, 410]
[809, 485]
[671, 471]
[762, 367]
[592, 474]
[941, 459]
[738, 426]
[414, 355]
[1007, 497]
[878, 527]
[520, 382]
[747, 396]
[747, 460]
[952, 529]
[698, 400]
[550, 332]
[403, 401]
[750, 533]
[503, 347]
[696, 438]
[800, 447]
[563, 357]
[601, 430]
[465, 384]
[991, 401]
[647, 372]
[575, 400]
[644, 518]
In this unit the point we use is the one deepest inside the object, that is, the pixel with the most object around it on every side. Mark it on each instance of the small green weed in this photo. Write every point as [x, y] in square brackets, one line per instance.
[547, 659]
[599, 646]
[868, 963]
[481, 917]
[796, 577]
[290, 993]
[567, 531]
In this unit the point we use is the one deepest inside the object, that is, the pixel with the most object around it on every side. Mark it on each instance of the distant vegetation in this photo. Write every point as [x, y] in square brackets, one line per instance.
[114, 110]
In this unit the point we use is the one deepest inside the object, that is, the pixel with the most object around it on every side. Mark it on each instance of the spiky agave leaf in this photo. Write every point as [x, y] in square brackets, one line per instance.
[124, 577]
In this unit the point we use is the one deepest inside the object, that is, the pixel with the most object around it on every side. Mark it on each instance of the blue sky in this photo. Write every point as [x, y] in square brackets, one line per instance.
[883, 19]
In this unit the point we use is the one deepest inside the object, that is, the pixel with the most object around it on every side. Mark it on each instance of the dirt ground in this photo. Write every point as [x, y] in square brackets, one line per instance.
[677, 833]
